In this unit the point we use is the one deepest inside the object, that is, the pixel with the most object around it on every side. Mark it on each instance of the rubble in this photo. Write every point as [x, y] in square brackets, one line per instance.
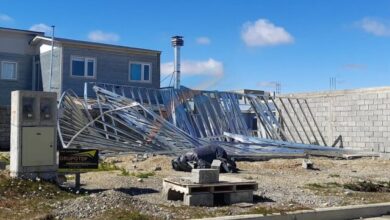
[172, 121]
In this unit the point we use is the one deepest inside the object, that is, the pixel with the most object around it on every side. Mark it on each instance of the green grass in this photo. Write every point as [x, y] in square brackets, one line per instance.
[143, 175]
[120, 214]
[28, 198]
[124, 172]
[334, 175]
[4, 158]
[70, 177]
[104, 166]
[196, 212]
[271, 210]
[368, 186]
[323, 185]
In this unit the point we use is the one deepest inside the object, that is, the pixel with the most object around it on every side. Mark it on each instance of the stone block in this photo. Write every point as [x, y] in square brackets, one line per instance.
[205, 199]
[386, 111]
[238, 197]
[382, 106]
[205, 176]
[216, 164]
[382, 95]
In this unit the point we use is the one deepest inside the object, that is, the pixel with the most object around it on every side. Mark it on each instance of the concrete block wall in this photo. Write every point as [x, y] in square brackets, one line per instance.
[5, 117]
[361, 117]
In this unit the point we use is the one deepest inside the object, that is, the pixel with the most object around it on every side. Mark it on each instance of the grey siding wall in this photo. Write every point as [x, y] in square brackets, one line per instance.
[12, 42]
[14, 46]
[112, 67]
[360, 117]
[24, 76]
[5, 116]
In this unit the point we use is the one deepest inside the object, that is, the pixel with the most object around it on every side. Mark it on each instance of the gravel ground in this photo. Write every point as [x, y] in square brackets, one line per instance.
[96, 204]
[283, 185]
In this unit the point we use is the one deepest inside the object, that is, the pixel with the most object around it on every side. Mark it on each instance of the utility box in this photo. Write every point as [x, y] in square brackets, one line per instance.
[33, 134]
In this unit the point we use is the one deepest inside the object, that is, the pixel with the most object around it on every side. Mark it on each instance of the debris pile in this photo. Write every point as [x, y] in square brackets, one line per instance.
[176, 120]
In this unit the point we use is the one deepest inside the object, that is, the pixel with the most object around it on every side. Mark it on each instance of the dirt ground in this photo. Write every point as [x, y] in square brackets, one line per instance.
[132, 189]
[283, 183]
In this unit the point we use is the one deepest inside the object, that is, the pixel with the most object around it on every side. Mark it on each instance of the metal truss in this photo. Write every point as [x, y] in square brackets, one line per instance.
[167, 120]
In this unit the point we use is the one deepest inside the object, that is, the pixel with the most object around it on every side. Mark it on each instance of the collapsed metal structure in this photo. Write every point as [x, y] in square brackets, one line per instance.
[124, 118]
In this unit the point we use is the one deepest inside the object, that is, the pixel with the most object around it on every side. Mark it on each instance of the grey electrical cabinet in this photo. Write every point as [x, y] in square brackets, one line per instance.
[33, 134]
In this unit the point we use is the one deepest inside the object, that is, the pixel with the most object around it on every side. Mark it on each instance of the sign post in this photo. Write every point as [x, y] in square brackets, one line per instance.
[77, 161]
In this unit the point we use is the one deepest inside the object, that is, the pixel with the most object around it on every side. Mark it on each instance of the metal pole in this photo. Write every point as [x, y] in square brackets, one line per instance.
[177, 66]
[51, 56]
[177, 42]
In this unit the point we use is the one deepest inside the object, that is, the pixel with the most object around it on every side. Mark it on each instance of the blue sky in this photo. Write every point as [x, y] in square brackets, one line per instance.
[234, 44]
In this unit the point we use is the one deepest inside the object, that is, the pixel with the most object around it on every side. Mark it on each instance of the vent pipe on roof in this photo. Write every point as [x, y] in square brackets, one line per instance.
[177, 42]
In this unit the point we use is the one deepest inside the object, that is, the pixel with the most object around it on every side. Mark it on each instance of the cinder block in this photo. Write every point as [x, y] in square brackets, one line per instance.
[382, 95]
[237, 197]
[216, 164]
[205, 199]
[205, 176]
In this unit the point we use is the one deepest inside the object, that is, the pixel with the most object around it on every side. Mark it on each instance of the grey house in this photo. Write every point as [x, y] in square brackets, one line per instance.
[25, 64]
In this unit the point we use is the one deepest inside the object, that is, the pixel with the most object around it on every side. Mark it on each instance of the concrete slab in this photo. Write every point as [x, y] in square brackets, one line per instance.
[334, 213]
[205, 176]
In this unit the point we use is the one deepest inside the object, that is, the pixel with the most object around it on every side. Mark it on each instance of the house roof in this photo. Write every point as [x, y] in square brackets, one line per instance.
[38, 39]
[21, 31]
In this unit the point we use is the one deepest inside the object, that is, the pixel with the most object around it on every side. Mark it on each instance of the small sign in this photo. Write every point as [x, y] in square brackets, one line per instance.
[78, 159]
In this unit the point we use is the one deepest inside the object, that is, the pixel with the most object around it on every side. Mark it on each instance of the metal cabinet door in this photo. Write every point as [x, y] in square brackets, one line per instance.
[37, 146]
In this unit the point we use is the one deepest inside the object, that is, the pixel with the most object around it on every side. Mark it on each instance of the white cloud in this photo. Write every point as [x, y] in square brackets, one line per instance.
[100, 36]
[41, 28]
[374, 26]
[267, 84]
[191, 67]
[354, 66]
[5, 18]
[203, 40]
[263, 33]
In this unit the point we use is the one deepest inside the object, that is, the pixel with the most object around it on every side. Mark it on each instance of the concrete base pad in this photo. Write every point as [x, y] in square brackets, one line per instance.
[49, 176]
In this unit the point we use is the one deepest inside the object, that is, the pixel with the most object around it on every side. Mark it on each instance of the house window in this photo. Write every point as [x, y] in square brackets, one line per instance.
[140, 72]
[8, 70]
[83, 67]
